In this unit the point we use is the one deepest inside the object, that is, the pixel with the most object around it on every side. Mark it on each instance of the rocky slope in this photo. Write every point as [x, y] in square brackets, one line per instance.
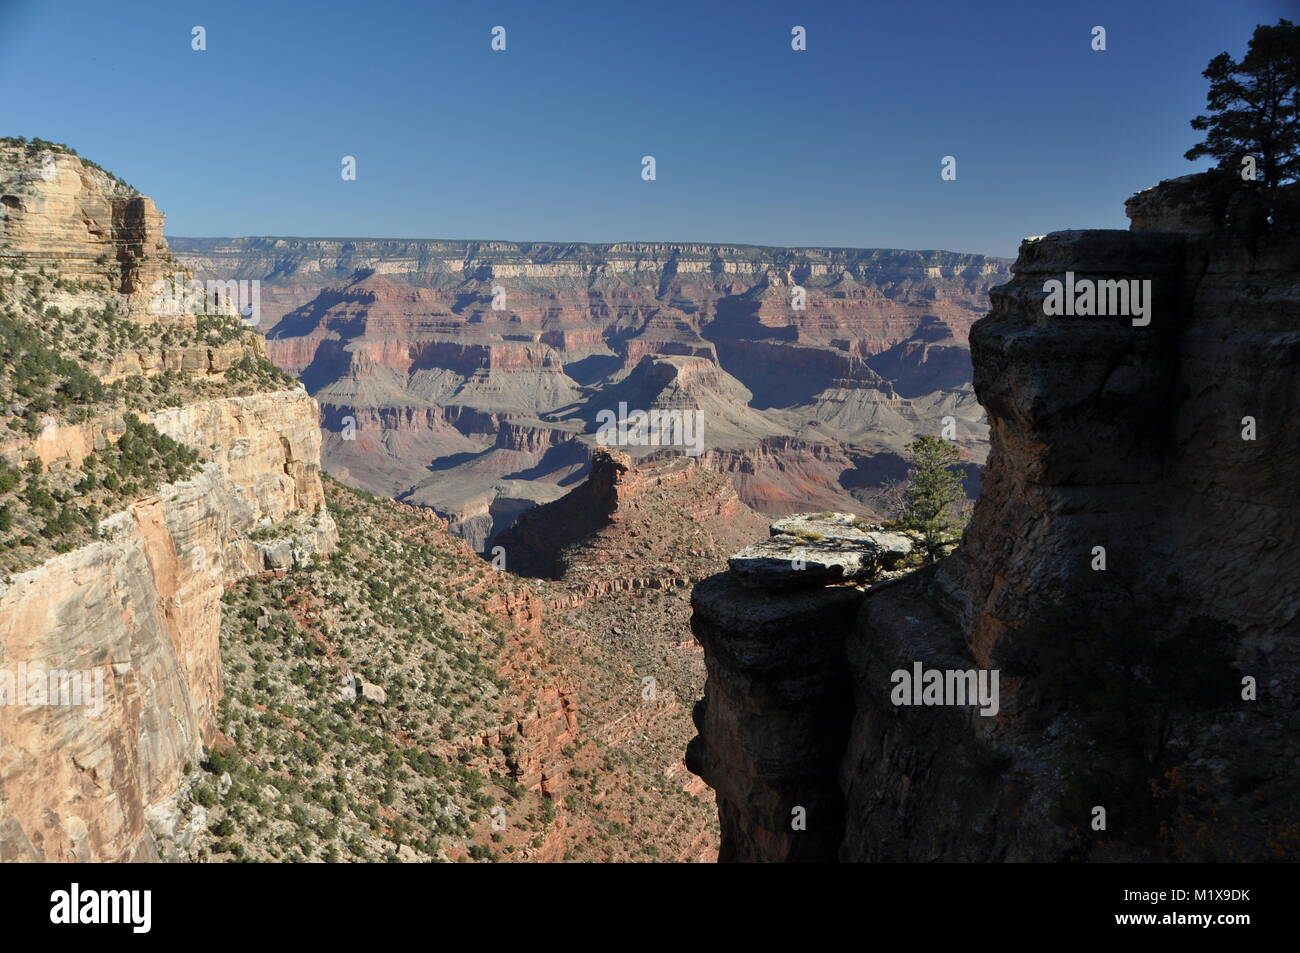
[1129, 571]
[118, 555]
[667, 515]
[406, 700]
[397, 701]
[622, 551]
[470, 376]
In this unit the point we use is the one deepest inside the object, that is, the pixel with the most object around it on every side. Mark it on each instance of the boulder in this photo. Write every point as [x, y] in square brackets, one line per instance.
[348, 690]
[277, 554]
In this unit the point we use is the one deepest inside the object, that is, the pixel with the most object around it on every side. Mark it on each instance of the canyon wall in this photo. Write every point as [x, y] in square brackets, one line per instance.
[143, 606]
[1130, 571]
[140, 605]
[65, 213]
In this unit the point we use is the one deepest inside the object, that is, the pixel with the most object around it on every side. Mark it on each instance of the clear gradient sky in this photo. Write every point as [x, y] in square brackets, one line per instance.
[755, 143]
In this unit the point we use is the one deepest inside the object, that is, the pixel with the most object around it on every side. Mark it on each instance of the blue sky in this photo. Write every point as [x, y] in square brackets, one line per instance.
[839, 145]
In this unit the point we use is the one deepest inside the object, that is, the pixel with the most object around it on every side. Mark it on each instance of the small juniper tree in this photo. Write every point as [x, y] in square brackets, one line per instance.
[1254, 106]
[932, 496]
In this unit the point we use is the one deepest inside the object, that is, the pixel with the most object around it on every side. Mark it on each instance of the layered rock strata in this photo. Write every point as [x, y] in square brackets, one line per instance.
[143, 606]
[131, 620]
[809, 368]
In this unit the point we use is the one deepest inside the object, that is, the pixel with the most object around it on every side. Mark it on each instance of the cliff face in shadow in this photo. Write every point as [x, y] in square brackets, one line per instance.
[1130, 572]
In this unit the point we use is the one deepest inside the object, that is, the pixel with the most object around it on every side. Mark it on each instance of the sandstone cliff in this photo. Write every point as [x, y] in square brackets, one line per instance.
[139, 600]
[61, 211]
[1148, 678]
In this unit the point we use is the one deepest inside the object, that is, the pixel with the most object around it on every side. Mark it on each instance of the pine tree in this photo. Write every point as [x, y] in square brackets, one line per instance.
[932, 494]
[1255, 106]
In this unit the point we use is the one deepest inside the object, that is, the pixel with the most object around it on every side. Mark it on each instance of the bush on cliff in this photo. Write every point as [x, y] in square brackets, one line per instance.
[57, 510]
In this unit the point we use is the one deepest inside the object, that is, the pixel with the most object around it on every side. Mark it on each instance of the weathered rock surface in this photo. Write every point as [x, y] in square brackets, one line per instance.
[139, 607]
[815, 549]
[66, 213]
[1121, 687]
[143, 605]
[775, 716]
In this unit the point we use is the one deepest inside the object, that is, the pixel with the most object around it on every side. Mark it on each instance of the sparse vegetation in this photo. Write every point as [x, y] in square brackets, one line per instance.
[75, 353]
[403, 606]
[45, 512]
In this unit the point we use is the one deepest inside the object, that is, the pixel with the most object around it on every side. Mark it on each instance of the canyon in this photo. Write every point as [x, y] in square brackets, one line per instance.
[471, 377]
[296, 670]
[1130, 569]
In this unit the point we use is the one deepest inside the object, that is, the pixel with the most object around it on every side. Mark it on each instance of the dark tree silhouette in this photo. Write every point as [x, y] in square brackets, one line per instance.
[1254, 106]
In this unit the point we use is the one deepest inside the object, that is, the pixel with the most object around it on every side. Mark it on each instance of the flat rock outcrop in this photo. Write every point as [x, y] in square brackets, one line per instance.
[815, 549]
